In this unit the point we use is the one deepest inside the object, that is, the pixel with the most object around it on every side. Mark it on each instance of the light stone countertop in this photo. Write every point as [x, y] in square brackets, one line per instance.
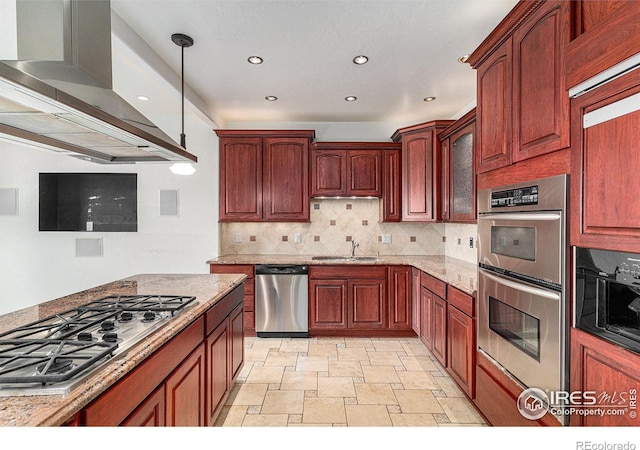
[54, 410]
[457, 273]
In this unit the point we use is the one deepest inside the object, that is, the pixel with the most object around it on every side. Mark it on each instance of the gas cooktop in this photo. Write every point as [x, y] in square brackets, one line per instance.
[54, 354]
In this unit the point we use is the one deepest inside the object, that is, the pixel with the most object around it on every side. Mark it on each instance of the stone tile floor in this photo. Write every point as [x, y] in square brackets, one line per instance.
[344, 382]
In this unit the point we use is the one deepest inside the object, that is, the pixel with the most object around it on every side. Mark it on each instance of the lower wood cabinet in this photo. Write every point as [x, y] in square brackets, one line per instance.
[184, 392]
[186, 381]
[611, 373]
[433, 305]
[439, 330]
[249, 291]
[399, 283]
[347, 299]
[461, 341]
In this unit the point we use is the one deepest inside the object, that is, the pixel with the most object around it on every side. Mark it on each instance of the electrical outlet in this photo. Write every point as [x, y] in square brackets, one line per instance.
[386, 238]
[238, 238]
[459, 241]
[297, 237]
[470, 242]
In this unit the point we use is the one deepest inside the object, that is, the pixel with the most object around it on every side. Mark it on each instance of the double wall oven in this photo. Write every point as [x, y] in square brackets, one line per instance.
[522, 258]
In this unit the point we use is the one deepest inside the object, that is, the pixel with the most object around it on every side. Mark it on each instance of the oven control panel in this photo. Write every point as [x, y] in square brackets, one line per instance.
[515, 197]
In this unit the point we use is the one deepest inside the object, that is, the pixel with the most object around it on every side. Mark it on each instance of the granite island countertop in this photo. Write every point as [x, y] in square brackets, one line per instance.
[457, 273]
[54, 410]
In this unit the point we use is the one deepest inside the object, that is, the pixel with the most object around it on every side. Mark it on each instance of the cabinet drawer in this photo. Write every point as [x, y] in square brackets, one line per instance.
[434, 285]
[462, 301]
[346, 272]
[246, 269]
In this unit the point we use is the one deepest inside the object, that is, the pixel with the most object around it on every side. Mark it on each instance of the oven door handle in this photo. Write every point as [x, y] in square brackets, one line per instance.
[521, 216]
[522, 287]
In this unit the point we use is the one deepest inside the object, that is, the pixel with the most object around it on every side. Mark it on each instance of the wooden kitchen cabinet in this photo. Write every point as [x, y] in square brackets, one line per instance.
[461, 340]
[327, 304]
[347, 299]
[611, 373]
[523, 107]
[264, 175]
[249, 291]
[605, 206]
[399, 282]
[607, 32]
[439, 329]
[347, 169]
[185, 392]
[150, 413]
[458, 170]
[433, 303]
[416, 309]
[391, 200]
[421, 170]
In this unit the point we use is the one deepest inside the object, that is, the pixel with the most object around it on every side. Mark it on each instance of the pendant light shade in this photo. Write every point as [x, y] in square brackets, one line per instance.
[182, 40]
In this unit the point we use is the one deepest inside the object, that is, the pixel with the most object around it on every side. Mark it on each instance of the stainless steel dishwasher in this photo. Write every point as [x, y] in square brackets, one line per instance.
[282, 300]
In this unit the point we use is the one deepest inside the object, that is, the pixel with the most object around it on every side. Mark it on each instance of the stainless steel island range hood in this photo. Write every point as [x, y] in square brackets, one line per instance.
[58, 93]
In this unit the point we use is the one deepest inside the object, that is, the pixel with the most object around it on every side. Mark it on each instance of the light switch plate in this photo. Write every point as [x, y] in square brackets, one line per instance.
[238, 238]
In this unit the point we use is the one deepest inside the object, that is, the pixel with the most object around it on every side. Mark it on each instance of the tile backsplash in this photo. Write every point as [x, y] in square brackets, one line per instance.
[337, 222]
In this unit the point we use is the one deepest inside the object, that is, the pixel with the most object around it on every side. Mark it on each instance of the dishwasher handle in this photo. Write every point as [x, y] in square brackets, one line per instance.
[281, 269]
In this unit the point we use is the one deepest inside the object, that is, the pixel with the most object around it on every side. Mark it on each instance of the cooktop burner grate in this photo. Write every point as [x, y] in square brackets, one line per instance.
[157, 303]
[48, 360]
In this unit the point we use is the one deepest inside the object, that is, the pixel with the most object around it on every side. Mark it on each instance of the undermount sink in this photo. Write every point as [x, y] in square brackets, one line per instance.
[345, 258]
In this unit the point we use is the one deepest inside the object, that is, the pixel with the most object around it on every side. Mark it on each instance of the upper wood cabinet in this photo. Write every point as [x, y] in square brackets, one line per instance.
[458, 170]
[523, 106]
[605, 207]
[421, 170]
[346, 169]
[607, 32]
[391, 200]
[264, 175]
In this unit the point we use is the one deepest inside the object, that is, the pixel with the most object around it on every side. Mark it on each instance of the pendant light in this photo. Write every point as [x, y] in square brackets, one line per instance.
[182, 40]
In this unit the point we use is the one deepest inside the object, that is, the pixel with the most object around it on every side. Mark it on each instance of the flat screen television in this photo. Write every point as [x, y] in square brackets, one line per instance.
[88, 202]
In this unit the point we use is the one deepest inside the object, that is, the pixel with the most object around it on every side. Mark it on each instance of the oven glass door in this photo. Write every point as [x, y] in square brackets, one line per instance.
[526, 243]
[520, 327]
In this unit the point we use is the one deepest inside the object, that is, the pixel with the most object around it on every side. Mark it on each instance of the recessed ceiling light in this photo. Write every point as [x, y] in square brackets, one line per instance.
[360, 59]
[463, 59]
[144, 98]
[271, 98]
[255, 60]
[429, 99]
[351, 98]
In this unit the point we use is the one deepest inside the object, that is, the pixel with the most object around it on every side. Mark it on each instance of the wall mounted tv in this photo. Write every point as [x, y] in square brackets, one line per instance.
[88, 202]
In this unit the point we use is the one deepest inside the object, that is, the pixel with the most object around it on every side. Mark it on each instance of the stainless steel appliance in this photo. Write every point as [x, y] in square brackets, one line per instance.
[53, 355]
[282, 301]
[607, 295]
[521, 280]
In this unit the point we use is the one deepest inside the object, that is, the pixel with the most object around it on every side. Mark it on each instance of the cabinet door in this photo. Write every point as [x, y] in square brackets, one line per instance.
[612, 373]
[416, 310]
[494, 110]
[364, 173]
[218, 369]
[439, 336]
[240, 179]
[461, 349]
[367, 305]
[462, 179]
[236, 324]
[185, 389]
[390, 209]
[327, 304]
[328, 173]
[420, 177]
[446, 178]
[286, 177]
[400, 295]
[540, 100]
[150, 413]
[426, 325]
[605, 158]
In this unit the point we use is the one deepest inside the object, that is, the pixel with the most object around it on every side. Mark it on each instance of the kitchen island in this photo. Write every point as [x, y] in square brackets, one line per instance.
[54, 410]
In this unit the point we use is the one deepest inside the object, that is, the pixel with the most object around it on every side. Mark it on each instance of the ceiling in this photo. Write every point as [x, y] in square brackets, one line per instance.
[308, 48]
